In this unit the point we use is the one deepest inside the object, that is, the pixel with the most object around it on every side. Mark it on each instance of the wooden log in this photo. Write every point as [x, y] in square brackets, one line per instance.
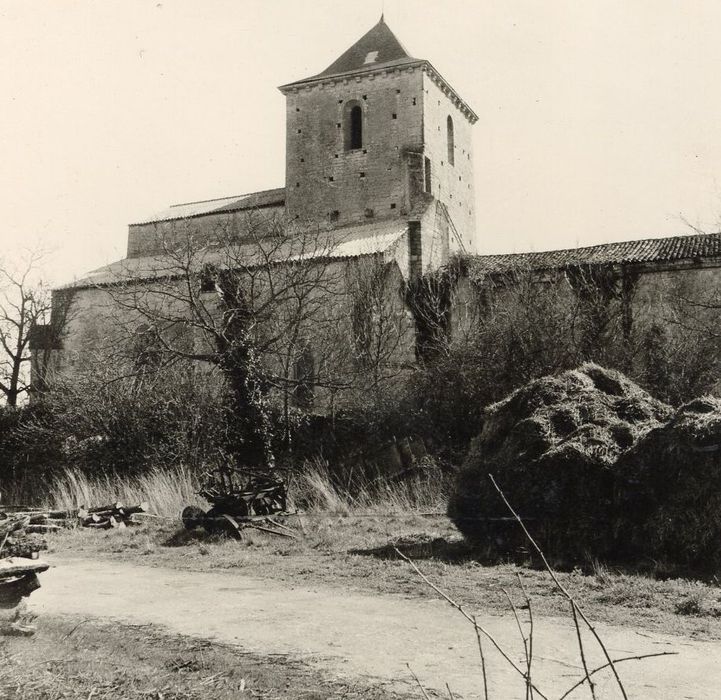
[19, 566]
[11, 526]
[42, 528]
[132, 510]
[104, 525]
[101, 509]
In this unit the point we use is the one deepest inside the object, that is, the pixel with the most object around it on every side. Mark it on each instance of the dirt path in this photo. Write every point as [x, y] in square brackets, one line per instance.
[363, 635]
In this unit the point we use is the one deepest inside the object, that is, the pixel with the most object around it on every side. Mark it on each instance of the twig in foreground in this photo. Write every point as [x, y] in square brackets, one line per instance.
[415, 678]
[470, 618]
[563, 590]
[616, 661]
[483, 659]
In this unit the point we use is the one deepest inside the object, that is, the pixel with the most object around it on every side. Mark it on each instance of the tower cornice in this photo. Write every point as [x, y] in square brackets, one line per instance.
[318, 82]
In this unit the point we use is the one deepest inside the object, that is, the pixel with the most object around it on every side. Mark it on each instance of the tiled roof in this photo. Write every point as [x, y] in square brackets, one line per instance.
[341, 243]
[379, 47]
[651, 250]
[253, 200]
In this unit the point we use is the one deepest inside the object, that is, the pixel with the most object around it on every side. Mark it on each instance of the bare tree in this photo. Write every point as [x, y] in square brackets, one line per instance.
[24, 305]
[266, 308]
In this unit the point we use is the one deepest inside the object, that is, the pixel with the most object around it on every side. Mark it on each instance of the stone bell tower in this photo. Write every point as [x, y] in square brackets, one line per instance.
[378, 135]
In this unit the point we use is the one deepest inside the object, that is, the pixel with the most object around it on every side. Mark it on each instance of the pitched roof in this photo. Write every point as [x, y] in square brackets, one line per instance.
[252, 200]
[336, 244]
[379, 45]
[650, 250]
[377, 48]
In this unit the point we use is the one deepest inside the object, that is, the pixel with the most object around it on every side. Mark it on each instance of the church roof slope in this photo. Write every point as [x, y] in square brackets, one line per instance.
[332, 244]
[252, 200]
[650, 250]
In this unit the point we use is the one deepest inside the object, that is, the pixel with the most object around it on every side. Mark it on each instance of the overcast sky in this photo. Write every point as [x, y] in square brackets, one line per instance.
[599, 120]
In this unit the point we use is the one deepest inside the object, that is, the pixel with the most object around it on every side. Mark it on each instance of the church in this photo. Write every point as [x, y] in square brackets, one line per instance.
[379, 155]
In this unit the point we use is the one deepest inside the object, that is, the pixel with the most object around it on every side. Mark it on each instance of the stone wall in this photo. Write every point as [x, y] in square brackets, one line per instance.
[452, 184]
[326, 179]
[102, 331]
[151, 238]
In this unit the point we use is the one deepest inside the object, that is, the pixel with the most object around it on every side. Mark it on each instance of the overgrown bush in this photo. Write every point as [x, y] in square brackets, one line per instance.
[100, 424]
[552, 446]
[674, 514]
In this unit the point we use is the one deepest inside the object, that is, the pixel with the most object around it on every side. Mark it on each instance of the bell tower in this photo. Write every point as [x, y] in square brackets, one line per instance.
[379, 134]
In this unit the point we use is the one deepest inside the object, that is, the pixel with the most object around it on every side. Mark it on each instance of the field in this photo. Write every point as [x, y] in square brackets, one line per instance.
[344, 545]
[348, 543]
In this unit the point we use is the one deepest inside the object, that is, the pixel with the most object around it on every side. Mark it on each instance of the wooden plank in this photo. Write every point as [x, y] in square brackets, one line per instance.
[18, 566]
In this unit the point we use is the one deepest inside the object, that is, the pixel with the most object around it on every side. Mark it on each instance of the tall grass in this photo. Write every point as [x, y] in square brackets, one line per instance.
[312, 488]
[316, 488]
[167, 491]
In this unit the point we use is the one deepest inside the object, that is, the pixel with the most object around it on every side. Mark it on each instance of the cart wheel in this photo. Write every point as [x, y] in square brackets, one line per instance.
[192, 517]
[228, 525]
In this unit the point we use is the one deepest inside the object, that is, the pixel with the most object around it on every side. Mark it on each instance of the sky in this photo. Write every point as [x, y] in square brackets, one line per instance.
[599, 120]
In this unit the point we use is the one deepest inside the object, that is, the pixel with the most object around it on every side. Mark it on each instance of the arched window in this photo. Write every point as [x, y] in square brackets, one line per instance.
[353, 126]
[451, 141]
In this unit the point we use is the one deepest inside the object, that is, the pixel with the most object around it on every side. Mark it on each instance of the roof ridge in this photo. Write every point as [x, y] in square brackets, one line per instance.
[549, 251]
[220, 199]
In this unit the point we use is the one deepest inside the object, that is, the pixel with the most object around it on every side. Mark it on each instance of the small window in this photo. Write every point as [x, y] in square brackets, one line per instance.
[334, 215]
[451, 141]
[353, 126]
[369, 213]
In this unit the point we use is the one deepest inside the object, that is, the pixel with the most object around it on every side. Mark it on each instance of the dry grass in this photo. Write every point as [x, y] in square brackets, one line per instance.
[347, 542]
[82, 659]
[167, 492]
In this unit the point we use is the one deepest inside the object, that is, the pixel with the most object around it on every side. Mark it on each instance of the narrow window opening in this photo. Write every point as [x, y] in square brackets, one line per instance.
[414, 101]
[334, 215]
[393, 205]
[300, 131]
[427, 174]
[395, 116]
[302, 160]
[362, 174]
[369, 213]
[451, 141]
[330, 178]
[354, 128]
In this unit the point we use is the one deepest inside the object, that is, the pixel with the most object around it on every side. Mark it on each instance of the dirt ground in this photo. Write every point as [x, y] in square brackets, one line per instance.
[363, 636]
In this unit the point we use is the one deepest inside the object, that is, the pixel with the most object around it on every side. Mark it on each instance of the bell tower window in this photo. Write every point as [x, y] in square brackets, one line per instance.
[451, 141]
[353, 126]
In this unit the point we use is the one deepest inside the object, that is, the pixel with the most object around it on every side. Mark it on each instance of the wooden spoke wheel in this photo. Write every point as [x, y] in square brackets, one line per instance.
[192, 517]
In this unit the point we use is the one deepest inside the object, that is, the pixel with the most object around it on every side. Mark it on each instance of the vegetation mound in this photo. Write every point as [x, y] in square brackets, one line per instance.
[674, 517]
[552, 446]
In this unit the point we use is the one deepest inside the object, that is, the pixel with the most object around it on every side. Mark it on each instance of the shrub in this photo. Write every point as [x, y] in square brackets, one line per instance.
[674, 511]
[552, 446]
